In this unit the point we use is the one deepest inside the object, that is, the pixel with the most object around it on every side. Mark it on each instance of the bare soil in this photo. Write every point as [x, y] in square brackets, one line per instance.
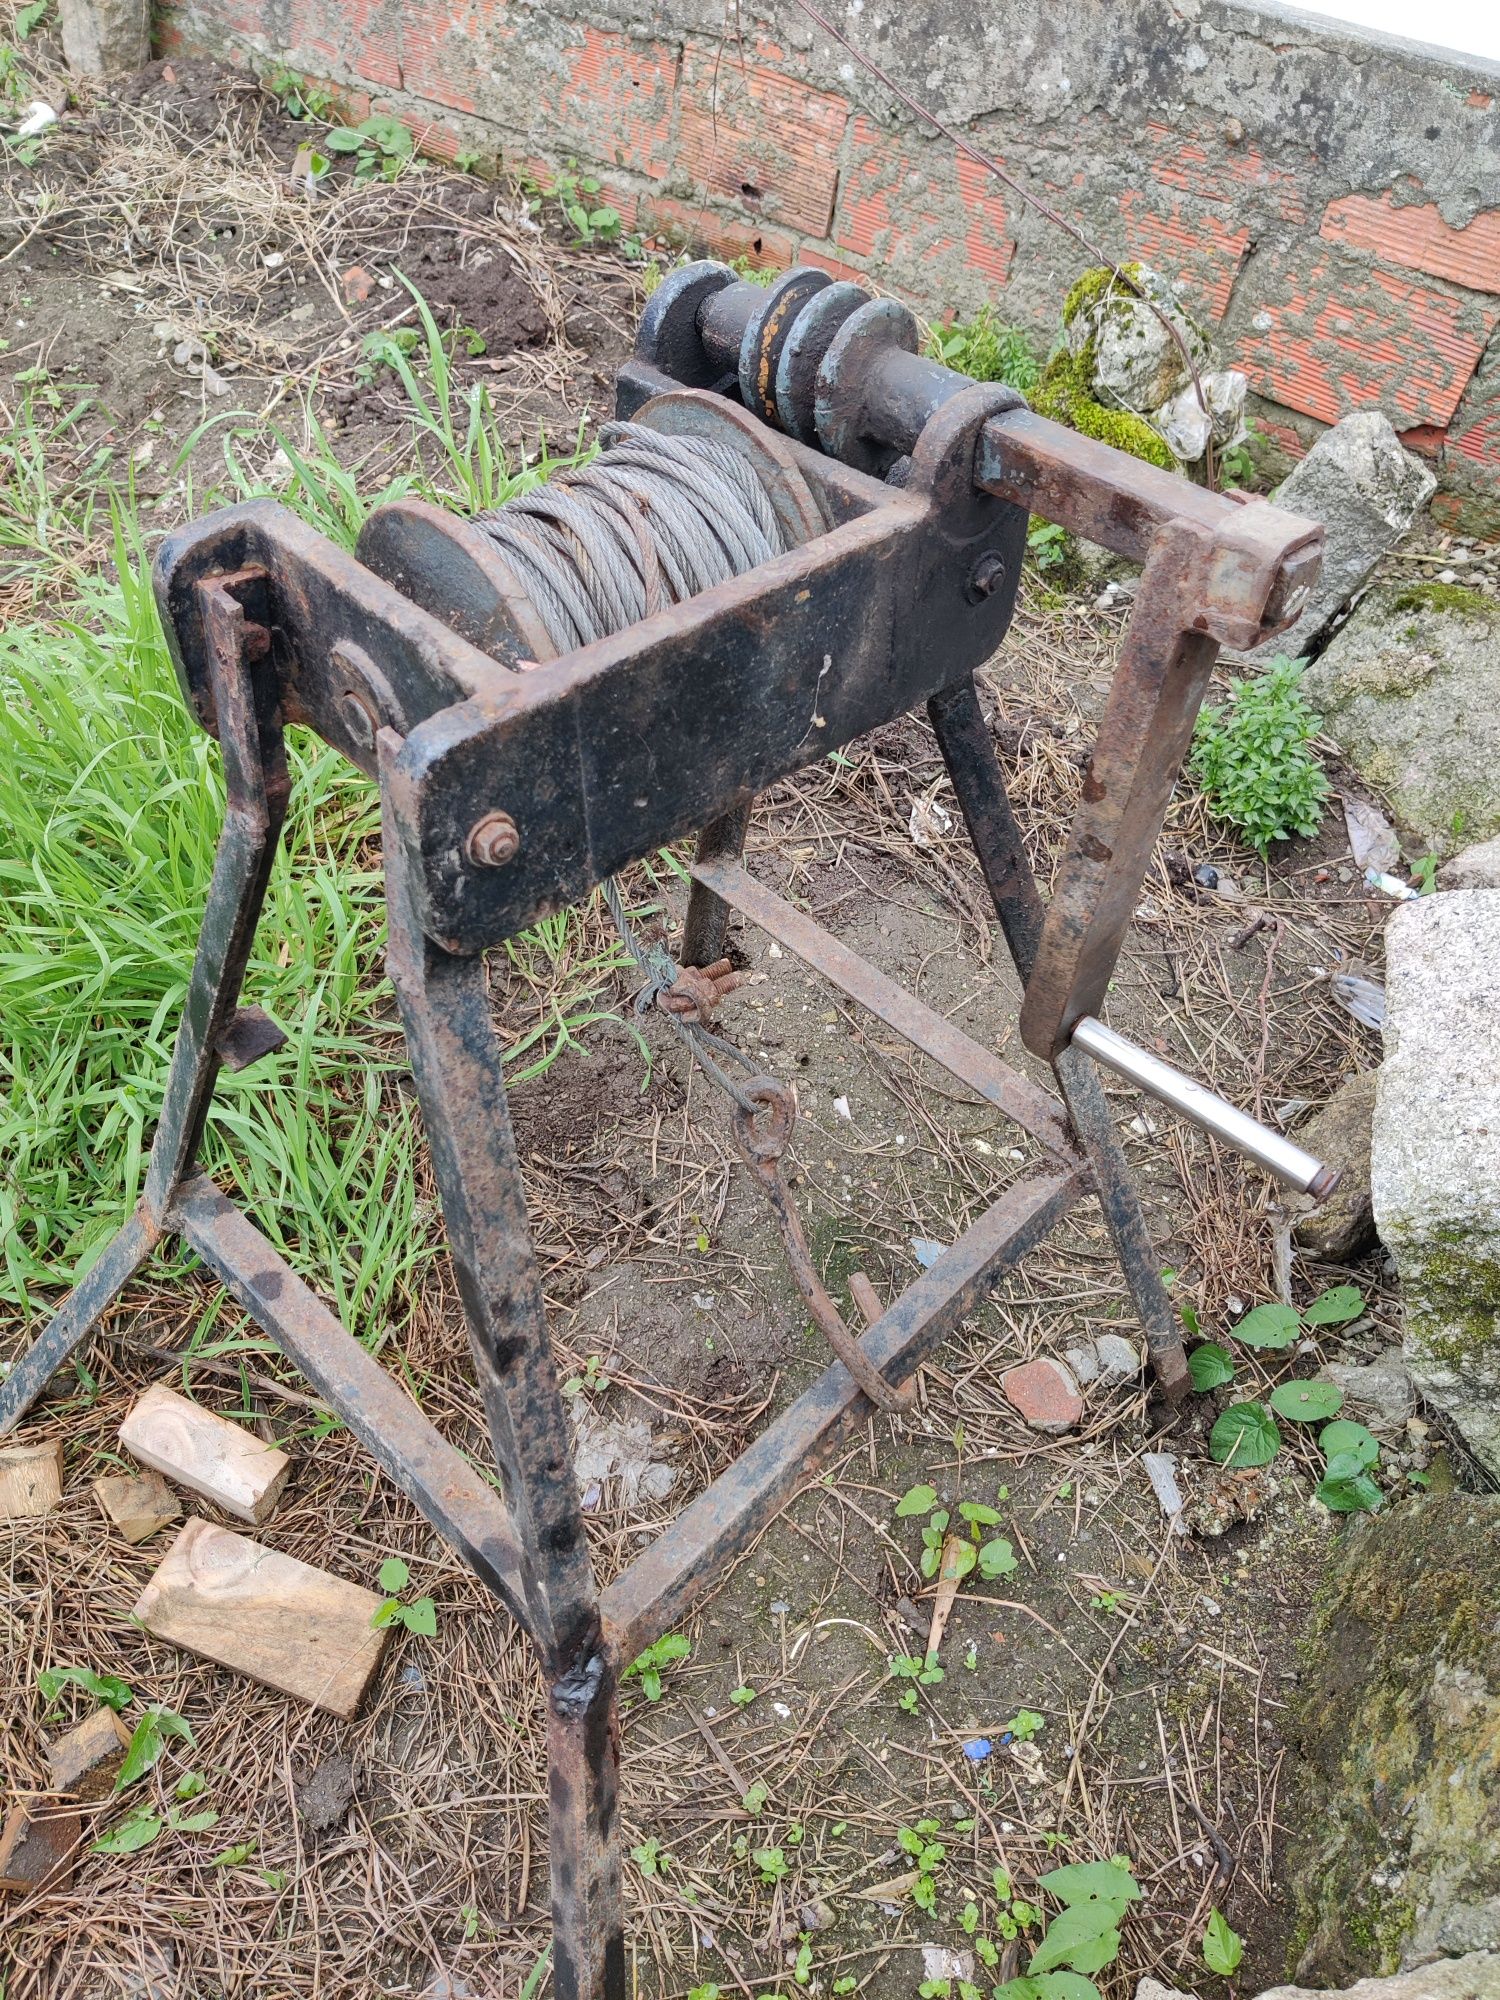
[366, 1858]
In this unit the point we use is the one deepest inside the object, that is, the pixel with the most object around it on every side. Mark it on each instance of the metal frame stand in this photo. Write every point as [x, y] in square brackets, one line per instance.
[270, 626]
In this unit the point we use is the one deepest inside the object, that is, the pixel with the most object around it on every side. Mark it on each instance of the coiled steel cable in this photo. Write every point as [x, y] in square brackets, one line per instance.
[652, 520]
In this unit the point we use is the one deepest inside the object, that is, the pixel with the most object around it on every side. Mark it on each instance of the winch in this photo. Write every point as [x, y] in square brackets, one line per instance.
[797, 530]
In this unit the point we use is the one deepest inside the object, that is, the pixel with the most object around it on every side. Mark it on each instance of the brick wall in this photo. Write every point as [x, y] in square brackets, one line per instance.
[1331, 201]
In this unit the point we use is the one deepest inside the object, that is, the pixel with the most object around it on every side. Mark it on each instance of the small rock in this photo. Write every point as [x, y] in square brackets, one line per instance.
[938, 1962]
[1084, 1363]
[1223, 1497]
[357, 285]
[1477, 867]
[1161, 1470]
[1206, 875]
[448, 1986]
[1366, 489]
[1046, 1395]
[1119, 1359]
[1152, 1989]
[1381, 1395]
[1343, 1227]
[817, 1916]
[326, 1794]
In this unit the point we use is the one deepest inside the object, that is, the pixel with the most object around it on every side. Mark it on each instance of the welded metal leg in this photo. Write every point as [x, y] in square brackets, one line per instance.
[707, 923]
[256, 781]
[455, 1060]
[588, 1919]
[980, 788]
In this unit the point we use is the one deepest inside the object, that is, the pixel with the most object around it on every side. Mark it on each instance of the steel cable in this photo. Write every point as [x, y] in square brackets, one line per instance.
[652, 520]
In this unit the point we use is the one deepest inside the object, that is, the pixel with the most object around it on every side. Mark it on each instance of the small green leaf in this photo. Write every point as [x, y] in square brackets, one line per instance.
[1269, 1326]
[742, 1696]
[961, 1559]
[233, 1857]
[387, 1614]
[344, 139]
[190, 1784]
[1357, 1494]
[393, 1575]
[1245, 1434]
[996, 1559]
[916, 1500]
[978, 1516]
[138, 1831]
[198, 1822]
[1336, 1306]
[1222, 1948]
[420, 1616]
[1083, 1879]
[1084, 1936]
[1210, 1366]
[108, 1688]
[1307, 1402]
[146, 1746]
[1343, 1437]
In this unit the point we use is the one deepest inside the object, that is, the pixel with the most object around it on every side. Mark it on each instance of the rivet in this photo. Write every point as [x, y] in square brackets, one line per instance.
[493, 840]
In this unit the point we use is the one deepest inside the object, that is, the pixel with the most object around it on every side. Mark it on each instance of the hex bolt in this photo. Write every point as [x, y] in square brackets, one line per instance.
[492, 841]
[986, 577]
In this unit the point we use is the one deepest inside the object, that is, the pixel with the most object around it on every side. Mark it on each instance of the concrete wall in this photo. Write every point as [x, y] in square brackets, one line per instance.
[1330, 199]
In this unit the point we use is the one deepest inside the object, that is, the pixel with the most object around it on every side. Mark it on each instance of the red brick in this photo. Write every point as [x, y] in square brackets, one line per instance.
[1341, 341]
[760, 139]
[834, 266]
[1045, 1393]
[438, 57]
[1203, 163]
[1481, 440]
[616, 103]
[909, 209]
[371, 33]
[985, 239]
[698, 226]
[1416, 236]
[1425, 439]
[1186, 242]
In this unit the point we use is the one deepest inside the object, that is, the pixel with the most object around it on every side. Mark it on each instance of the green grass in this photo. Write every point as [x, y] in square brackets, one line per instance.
[112, 796]
[987, 349]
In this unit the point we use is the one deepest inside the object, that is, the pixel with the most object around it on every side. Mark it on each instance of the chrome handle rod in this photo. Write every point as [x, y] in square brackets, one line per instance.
[1276, 1153]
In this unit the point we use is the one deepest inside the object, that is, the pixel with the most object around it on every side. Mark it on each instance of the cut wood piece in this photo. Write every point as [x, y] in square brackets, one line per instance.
[138, 1503]
[206, 1453]
[265, 1615]
[85, 1761]
[37, 1846]
[31, 1477]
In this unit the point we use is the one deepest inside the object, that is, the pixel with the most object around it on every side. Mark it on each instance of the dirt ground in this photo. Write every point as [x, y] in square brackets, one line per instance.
[367, 1858]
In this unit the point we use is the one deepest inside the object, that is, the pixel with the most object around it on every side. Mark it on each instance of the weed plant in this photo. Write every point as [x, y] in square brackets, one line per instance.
[112, 799]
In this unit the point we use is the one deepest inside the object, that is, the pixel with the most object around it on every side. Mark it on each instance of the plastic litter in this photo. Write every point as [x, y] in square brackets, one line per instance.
[1372, 838]
[1364, 998]
[1390, 885]
[978, 1749]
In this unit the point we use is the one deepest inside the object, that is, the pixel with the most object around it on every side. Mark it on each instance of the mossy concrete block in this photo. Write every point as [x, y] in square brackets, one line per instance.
[1342, 1227]
[1366, 488]
[106, 37]
[1395, 1799]
[1475, 1976]
[1435, 1152]
[1410, 692]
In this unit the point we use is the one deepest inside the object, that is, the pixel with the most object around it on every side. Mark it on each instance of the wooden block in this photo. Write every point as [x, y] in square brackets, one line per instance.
[37, 1845]
[207, 1454]
[85, 1761]
[31, 1477]
[266, 1615]
[138, 1503]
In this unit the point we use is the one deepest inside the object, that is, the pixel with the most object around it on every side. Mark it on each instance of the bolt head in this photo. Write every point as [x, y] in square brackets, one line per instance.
[493, 840]
[986, 577]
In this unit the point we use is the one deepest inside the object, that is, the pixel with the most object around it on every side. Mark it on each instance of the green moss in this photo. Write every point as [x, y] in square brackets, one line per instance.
[1451, 597]
[1092, 286]
[1063, 395]
[1453, 1309]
